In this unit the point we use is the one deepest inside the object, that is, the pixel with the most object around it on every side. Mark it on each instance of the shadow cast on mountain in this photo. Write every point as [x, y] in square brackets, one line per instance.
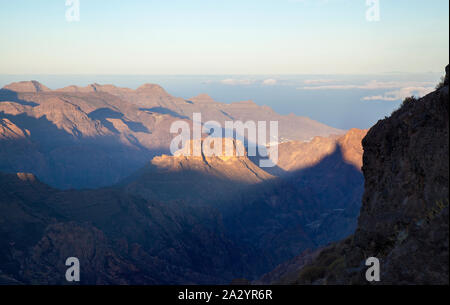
[163, 110]
[194, 186]
[260, 151]
[103, 114]
[277, 218]
[274, 170]
[43, 132]
[65, 160]
[7, 95]
[177, 242]
[147, 241]
[306, 209]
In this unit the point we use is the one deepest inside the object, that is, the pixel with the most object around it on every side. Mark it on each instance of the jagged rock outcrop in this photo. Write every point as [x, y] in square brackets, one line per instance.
[202, 178]
[404, 219]
[27, 86]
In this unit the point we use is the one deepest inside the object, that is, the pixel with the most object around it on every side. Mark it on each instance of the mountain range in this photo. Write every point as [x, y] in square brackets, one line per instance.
[94, 136]
[85, 172]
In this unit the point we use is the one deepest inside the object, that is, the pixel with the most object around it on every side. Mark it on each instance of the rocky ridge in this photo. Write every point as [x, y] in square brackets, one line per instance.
[97, 135]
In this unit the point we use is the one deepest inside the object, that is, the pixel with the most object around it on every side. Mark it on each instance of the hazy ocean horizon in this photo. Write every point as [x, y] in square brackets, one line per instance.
[341, 101]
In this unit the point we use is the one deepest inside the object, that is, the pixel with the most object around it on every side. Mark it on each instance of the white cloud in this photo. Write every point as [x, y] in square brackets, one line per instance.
[399, 90]
[371, 85]
[400, 94]
[246, 82]
[234, 82]
[269, 82]
[318, 81]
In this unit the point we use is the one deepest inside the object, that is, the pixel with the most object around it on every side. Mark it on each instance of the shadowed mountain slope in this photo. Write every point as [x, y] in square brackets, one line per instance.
[119, 239]
[303, 210]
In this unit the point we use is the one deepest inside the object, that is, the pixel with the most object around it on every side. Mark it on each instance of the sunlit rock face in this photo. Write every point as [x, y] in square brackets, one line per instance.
[10, 131]
[27, 86]
[298, 155]
[207, 176]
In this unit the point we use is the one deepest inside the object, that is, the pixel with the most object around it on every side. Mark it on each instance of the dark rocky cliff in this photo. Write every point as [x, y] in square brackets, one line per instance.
[404, 216]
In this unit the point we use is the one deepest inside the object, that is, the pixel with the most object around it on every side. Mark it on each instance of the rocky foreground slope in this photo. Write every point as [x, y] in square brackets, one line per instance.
[118, 238]
[404, 219]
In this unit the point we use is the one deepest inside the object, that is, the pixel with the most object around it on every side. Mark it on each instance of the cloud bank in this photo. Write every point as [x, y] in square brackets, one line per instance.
[400, 94]
[402, 89]
[246, 82]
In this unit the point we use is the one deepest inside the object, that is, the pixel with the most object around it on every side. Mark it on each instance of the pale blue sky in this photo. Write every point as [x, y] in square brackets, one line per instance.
[223, 37]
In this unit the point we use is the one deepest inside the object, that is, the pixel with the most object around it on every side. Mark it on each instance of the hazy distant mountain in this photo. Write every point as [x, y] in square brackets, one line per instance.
[27, 86]
[97, 135]
[154, 98]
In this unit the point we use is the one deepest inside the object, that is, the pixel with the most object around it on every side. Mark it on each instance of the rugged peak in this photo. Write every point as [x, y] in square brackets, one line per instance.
[203, 98]
[71, 88]
[354, 134]
[246, 103]
[152, 88]
[87, 89]
[226, 149]
[197, 179]
[27, 86]
[95, 87]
